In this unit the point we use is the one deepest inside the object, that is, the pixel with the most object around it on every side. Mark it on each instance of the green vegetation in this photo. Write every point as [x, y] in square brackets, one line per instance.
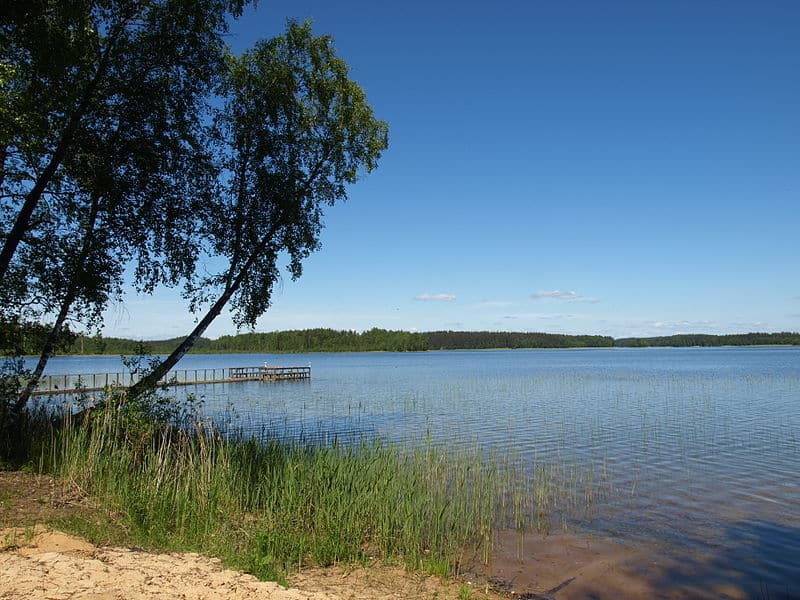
[698, 339]
[19, 337]
[474, 340]
[104, 171]
[98, 344]
[323, 340]
[296, 341]
[274, 506]
[292, 133]
[381, 340]
[134, 141]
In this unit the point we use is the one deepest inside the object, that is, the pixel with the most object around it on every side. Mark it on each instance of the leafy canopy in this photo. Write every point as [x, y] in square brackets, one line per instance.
[293, 131]
[103, 161]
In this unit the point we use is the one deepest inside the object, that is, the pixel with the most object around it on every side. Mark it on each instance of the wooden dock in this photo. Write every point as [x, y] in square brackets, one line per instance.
[63, 385]
[269, 373]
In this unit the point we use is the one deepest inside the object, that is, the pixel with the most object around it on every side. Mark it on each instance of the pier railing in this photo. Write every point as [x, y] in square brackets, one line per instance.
[94, 382]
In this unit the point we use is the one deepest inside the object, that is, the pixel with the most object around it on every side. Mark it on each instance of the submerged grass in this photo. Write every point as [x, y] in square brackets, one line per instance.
[271, 507]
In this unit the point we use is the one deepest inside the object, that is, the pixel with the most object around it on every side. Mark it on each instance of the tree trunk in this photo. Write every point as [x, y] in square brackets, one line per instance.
[66, 304]
[3, 157]
[47, 352]
[150, 380]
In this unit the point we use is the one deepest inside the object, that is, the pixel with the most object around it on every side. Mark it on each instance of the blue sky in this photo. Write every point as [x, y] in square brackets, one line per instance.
[586, 167]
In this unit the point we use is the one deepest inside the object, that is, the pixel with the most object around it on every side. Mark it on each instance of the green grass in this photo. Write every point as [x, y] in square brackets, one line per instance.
[273, 507]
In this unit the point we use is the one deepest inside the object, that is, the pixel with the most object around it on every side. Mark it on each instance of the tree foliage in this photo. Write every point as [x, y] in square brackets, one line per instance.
[103, 158]
[293, 132]
[703, 339]
[19, 338]
[131, 136]
[474, 340]
[103, 102]
[382, 340]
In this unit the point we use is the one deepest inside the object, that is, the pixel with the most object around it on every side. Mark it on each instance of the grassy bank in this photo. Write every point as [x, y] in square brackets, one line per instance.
[272, 507]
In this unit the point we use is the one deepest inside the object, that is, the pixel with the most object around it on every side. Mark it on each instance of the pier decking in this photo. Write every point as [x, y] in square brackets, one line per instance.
[51, 385]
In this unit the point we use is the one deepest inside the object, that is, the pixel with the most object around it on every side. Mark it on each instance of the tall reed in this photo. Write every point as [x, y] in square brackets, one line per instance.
[273, 506]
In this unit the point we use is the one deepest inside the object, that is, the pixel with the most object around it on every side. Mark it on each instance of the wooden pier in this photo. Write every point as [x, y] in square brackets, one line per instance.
[51, 385]
[269, 373]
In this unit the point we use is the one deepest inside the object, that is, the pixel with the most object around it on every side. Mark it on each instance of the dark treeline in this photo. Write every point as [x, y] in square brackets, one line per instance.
[381, 340]
[18, 337]
[295, 341]
[701, 339]
[476, 340]
[122, 346]
[322, 340]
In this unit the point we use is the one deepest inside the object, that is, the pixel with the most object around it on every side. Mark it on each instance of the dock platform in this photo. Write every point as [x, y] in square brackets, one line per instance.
[51, 385]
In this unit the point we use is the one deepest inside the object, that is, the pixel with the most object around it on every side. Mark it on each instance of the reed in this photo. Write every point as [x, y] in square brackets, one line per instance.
[274, 506]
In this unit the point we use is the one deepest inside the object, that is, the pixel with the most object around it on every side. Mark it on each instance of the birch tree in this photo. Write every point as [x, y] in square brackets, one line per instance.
[103, 160]
[293, 132]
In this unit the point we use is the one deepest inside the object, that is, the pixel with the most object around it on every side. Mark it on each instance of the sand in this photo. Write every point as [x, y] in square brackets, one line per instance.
[50, 565]
[44, 564]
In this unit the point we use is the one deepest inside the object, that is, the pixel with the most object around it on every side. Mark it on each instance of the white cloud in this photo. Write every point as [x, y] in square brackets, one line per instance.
[435, 297]
[556, 295]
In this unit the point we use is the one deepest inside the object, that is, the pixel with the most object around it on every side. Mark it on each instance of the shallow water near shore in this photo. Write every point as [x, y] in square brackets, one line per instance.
[693, 453]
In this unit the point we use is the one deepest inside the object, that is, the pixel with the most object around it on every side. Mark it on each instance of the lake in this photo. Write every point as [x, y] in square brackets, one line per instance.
[693, 448]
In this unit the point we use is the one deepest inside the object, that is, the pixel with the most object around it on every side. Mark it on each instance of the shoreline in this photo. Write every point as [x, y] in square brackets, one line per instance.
[43, 561]
[499, 349]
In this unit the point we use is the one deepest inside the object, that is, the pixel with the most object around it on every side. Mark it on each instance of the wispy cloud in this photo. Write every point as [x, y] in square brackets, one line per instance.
[556, 295]
[435, 297]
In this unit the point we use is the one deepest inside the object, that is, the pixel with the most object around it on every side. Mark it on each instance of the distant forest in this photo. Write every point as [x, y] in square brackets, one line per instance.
[700, 339]
[477, 340]
[377, 340]
[294, 341]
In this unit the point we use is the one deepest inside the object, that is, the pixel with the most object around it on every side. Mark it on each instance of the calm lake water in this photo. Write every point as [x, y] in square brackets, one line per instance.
[694, 448]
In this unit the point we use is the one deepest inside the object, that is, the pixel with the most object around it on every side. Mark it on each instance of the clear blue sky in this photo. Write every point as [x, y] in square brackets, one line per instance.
[618, 168]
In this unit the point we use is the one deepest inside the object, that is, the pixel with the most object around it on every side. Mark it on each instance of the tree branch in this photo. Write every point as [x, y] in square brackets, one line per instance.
[22, 223]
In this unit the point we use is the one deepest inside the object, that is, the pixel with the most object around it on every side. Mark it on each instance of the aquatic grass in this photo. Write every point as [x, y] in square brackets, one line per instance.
[342, 503]
[271, 505]
[274, 506]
